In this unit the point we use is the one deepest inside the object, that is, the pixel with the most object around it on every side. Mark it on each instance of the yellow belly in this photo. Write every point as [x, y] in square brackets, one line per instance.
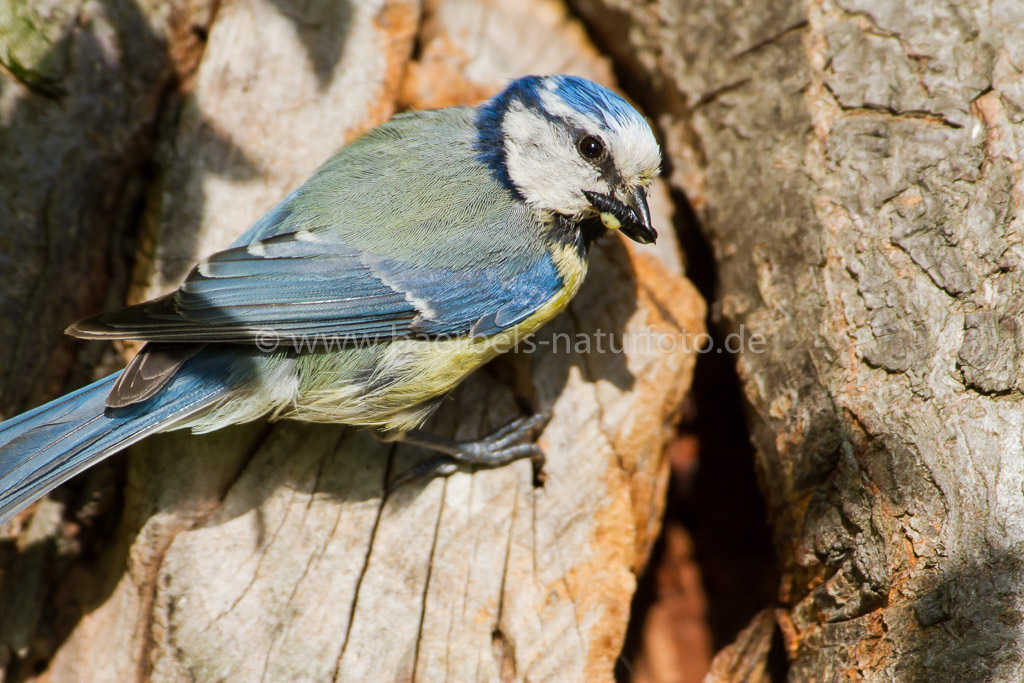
[427, 369]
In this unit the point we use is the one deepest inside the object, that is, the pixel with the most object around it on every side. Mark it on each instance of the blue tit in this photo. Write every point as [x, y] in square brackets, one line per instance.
[415, 254]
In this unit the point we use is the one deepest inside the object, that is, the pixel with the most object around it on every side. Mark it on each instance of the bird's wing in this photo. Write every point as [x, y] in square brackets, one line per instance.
[301, 289]
[393, 237]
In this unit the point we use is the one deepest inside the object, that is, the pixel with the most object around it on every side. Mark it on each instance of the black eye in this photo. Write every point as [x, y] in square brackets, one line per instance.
[590, 147]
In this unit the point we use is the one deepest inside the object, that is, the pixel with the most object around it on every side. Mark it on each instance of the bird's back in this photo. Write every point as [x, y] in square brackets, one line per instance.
[413, 189]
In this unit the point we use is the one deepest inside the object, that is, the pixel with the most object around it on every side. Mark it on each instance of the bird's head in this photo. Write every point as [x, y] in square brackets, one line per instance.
[570, 146]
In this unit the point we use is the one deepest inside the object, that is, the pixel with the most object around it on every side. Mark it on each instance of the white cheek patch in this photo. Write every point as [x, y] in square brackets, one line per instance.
[543, 163]
[631, 141]
[547, 169]
[636, 151]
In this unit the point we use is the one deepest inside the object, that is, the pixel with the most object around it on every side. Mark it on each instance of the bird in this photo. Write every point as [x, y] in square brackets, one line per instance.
[416, 253]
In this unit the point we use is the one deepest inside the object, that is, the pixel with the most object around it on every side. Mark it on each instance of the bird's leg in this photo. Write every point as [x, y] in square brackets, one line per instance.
[512, 442]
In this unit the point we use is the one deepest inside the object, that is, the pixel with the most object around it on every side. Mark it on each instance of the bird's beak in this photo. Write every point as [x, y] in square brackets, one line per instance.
[631, 214]
[639, 230]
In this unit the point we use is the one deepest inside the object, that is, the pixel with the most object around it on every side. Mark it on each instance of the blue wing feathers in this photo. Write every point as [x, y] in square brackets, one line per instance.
[303, 288]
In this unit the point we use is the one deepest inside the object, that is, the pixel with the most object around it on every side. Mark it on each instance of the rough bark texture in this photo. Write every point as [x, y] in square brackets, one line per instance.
[270, 551]
[856, 168]
[81, 86]
[79, 96]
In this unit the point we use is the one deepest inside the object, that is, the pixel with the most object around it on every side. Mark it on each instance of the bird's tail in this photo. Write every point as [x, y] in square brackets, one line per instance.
[50, 444]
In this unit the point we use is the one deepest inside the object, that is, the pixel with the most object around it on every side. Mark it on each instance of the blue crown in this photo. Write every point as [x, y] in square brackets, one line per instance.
[586, 97]
[593, 100]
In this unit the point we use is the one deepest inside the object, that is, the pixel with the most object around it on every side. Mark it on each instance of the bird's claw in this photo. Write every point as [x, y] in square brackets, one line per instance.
[514, 441]
[522, 431]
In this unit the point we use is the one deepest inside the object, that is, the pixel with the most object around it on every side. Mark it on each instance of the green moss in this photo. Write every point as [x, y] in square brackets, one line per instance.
[31, 47]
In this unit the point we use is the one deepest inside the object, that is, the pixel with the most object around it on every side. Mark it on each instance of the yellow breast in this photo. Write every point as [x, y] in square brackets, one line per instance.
[423, 370]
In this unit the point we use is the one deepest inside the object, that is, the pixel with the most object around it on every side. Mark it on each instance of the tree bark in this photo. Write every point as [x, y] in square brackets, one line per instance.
[855, 169]
[270, 551]
[80, 93]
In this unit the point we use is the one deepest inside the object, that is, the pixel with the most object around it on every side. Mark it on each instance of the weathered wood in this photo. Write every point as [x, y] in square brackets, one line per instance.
[80, 89]
[81, 85]
[746, 659]
[856, 168]
[271, 551]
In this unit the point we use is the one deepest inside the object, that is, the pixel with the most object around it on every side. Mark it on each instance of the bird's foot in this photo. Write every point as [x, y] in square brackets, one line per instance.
[512, 442]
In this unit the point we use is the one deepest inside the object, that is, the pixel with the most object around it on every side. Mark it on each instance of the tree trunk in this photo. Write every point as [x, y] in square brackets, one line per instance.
[270, 551]
[855, 166]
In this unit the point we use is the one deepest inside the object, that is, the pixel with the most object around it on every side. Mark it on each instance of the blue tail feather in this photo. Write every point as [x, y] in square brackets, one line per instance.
[7, 428]
[50, 444]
